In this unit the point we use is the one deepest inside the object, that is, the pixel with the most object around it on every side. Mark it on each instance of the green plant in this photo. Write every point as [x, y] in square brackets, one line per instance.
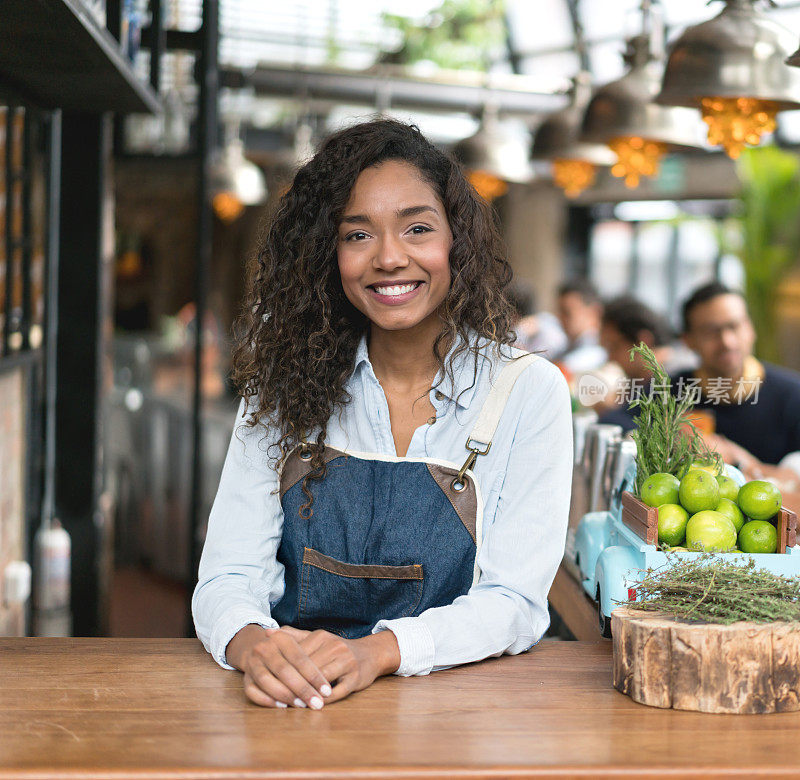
[712, 589]
[457, 34]
[666, 442]
[770, 223]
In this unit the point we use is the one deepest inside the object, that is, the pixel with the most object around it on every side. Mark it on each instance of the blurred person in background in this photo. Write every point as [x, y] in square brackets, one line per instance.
[627, 322]
[579, 312]
[536, 331]
[754, 406]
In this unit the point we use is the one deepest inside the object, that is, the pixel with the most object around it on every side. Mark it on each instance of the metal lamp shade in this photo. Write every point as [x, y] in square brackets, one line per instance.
[496, 151]
[739, 53]
[235, 174]
[625, 108]
[558, 137]
[794, 60]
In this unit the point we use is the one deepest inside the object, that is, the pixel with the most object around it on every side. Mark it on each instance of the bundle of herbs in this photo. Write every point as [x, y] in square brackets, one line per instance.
[666, 440]
[715, 590]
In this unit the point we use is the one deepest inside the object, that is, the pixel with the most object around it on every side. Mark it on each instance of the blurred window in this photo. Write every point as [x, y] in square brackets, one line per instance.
[661, 261]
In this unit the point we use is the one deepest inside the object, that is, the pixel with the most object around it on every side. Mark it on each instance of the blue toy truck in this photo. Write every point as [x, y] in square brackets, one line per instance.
[612, 558]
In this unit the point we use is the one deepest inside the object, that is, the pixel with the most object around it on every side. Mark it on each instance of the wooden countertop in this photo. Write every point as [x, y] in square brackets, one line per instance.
[162, 709]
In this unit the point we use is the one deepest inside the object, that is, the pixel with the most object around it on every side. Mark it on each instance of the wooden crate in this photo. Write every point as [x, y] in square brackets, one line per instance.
[643, 521]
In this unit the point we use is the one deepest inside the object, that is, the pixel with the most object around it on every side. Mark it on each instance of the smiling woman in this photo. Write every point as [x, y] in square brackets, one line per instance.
[354, 533]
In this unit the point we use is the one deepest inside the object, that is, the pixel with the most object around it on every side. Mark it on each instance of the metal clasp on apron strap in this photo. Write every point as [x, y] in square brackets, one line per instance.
[458, 484]
[480, 440]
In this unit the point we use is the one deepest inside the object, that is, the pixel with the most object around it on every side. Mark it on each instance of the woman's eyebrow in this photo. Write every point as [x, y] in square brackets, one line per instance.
[412, 211]
[355, 218]
[409, 211]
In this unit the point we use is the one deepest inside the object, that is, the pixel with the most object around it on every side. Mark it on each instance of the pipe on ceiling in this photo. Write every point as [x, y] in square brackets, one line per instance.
[517, 96]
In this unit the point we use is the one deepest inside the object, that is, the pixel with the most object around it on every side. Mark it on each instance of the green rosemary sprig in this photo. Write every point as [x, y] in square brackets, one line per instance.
[665, 440]
[714, 590]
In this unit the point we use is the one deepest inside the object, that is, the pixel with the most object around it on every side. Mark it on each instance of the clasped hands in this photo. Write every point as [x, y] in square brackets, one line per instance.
[287, 666]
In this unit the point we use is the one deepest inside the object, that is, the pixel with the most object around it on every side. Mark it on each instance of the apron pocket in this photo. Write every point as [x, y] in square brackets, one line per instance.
[349, 598]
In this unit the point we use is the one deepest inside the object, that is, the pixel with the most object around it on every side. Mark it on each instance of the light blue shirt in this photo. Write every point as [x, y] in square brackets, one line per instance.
[524, 479]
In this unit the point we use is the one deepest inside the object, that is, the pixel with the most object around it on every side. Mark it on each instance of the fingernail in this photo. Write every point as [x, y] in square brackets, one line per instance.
[316, 703]
[299, 703]
[325, 690]
[281, 705]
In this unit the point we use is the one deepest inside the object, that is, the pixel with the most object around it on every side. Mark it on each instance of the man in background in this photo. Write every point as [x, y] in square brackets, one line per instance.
[579, 311]
[755, 406]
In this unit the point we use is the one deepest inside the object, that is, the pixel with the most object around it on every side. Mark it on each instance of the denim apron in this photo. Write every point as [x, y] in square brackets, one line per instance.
[389, 537]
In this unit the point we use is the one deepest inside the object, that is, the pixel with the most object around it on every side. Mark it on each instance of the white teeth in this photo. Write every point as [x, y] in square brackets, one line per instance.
[398, 289]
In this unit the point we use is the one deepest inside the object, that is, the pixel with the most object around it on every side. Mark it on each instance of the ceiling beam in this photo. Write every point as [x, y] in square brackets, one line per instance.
[519, 96]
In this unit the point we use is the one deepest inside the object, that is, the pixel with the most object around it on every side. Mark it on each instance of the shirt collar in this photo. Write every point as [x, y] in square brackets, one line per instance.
[362, 354]
[461, 388]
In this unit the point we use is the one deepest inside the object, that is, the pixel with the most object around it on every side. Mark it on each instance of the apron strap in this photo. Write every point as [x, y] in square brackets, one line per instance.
[480, 440]
[495, 403]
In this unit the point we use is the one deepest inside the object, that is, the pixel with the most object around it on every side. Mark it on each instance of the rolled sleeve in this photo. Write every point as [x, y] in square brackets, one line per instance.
[231, 624]
[415, 642]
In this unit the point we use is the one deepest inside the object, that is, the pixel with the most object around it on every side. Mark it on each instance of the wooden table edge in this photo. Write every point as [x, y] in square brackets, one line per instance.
[407, 773]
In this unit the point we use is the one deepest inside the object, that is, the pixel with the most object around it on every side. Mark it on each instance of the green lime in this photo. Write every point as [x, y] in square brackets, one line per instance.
[660, 488]
[672, 519]
[759, 499]
[732, 512]
[727, 487]
[698, 491]
[758, 536]
[710, 531]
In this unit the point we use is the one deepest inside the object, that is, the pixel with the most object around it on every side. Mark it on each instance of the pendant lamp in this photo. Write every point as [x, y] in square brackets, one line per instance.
[574, 164]
[794, 60]
[236, 182]
[494, 156]
[733, 68]
[303, 148]
[623, 116]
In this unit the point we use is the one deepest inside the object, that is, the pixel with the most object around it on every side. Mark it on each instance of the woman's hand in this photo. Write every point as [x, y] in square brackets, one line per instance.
[277, 671]
[288, 666]
[351, 664]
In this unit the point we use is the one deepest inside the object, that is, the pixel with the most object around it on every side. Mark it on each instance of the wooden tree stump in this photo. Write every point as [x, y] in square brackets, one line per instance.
[741, 668]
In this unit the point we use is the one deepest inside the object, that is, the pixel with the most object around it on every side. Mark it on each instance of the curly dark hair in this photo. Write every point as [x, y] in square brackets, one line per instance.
[630, 317]
[298, 333]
